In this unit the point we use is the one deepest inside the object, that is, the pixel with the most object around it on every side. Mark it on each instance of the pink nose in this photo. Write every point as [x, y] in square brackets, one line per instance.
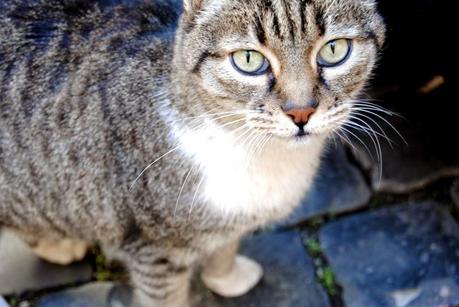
[300, 116]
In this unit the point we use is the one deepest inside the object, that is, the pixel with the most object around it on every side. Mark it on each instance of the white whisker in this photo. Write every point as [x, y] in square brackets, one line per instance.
[150, 165]
[182, 188]
[386, 121]
[195, 196]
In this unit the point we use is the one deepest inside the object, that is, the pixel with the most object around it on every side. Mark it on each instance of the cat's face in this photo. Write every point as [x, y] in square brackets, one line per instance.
[287, 68]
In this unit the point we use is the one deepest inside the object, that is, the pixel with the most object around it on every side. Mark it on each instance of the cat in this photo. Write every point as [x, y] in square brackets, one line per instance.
[167, 131]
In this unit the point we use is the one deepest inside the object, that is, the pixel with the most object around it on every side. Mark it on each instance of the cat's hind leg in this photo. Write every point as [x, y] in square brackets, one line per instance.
[230, 275]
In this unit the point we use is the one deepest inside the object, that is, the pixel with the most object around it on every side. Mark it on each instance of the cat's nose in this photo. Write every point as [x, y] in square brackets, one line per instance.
[300, 116]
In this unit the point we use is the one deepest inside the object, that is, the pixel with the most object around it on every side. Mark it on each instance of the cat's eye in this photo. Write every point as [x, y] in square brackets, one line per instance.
[250, 62]
[334, 53]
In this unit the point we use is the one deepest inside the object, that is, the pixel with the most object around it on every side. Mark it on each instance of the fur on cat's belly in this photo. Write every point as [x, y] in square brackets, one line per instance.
[269, 184]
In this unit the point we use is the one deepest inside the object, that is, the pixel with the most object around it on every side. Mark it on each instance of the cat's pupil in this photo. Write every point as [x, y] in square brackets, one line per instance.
[247, 56]
[333, 47]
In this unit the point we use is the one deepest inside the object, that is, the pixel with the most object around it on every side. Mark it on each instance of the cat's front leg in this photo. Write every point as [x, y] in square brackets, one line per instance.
[158, 280]
[229, 274]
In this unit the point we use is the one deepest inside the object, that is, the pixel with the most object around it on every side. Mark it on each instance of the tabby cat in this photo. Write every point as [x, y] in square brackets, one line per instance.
[165, 131]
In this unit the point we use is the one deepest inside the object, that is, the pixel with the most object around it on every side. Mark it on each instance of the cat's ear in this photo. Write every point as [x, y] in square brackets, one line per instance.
[193, 6]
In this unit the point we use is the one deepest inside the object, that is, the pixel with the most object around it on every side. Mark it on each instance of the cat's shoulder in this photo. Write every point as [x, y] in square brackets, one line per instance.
[32, 27]
[152, 15]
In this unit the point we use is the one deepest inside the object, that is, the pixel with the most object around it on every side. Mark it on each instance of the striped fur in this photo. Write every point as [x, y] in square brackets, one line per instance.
[91, 92]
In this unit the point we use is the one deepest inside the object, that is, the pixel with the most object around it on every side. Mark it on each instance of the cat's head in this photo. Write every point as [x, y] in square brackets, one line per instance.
[287, 68]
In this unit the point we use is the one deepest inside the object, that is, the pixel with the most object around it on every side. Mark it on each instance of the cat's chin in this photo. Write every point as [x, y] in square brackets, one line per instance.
[300, 140]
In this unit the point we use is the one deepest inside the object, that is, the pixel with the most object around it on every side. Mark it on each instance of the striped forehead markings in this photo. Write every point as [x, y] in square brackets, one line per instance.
[288, 26]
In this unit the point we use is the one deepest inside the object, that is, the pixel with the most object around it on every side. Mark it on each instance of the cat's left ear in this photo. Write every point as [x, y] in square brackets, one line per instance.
[193, 6]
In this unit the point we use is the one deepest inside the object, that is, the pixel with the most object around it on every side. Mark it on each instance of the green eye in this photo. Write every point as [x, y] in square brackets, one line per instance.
[334, 53]
[250, 62]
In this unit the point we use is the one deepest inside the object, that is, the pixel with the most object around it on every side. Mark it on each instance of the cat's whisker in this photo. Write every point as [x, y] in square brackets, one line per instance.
[220, 126]
[346, 139]
[386, 121]
[333, 137]
[376, 144]
[211, 115]
[257, 144]
[265, 143]
[195, 196]
[235, 131]
[259, 138]
[150, 165]
[250, 144]
[247, 139]
[183, 187]
[364, 103]
[215, 114]
[368, 127]
[232, 122]
[361, 141]
[244, 133]
[249, 135]
[217, 118]
[374, 107]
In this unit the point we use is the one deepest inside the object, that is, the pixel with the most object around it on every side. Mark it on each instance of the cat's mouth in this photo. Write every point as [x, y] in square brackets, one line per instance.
[301, 134]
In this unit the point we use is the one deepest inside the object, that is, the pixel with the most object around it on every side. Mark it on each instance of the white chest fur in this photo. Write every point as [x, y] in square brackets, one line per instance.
[235, 180]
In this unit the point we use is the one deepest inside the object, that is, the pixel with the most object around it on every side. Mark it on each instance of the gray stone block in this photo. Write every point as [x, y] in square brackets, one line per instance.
[3, 303]
[90, 295]
[402, 256]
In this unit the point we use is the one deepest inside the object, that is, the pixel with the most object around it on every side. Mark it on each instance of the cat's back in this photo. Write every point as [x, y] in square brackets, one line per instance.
[76, 78]
[50, 32]
[63, 47]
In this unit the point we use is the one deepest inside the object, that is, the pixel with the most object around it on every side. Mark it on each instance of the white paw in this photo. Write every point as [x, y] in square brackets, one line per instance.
[245, 275]
[61, 252]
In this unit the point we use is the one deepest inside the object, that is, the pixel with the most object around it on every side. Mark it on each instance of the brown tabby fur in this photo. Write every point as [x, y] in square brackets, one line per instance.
[91, 92]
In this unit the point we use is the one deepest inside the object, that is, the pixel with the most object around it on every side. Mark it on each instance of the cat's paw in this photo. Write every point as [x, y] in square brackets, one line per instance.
[61, 252]
[244, 276]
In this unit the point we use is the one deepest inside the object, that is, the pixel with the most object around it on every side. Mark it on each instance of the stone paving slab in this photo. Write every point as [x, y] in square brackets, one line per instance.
[3, 302]
[339, 187]
[90, 295]
[288, 280]
[406, 255]
[21, 270]
[441, 292]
